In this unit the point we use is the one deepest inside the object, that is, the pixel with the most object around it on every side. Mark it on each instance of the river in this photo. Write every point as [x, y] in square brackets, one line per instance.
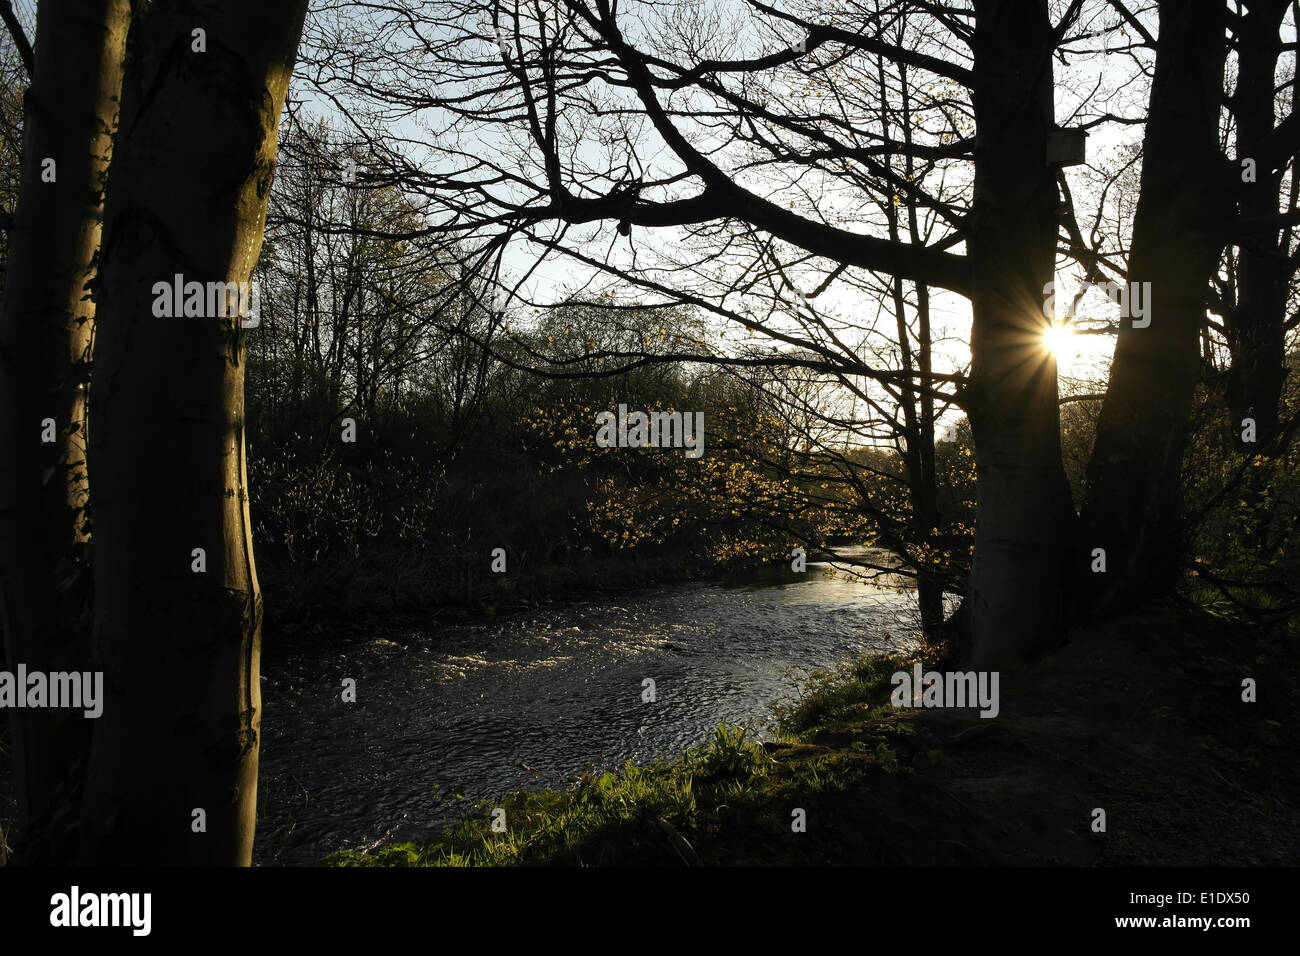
[560, 689]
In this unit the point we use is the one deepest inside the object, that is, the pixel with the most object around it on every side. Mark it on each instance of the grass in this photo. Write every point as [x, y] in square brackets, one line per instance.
[1142, 716]
[735, 797]
[843, 698]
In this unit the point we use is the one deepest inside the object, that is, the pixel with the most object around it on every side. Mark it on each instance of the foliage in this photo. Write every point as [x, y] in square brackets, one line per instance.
[1242, 510]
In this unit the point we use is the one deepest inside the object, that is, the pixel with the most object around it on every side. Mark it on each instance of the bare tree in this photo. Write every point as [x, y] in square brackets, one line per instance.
[1255, 320]
[666, 121]
[46, 330]
[1184, 218]
[173, 772]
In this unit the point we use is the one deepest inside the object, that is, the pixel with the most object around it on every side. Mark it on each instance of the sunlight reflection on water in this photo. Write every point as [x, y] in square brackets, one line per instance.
[558, 689]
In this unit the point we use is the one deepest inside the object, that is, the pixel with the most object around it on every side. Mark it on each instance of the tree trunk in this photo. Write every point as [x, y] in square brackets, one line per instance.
[180, 649]
[1024, 513]
[1132, 502]
[45, 335]
[1255, 327]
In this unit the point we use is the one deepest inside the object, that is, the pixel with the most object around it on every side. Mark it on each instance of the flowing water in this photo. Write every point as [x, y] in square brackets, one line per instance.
[462, 707]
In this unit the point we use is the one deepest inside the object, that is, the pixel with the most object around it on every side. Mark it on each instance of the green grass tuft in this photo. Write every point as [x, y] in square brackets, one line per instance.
[731, 798]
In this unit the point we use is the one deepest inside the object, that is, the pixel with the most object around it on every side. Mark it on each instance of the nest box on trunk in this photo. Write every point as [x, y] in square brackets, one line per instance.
[1067, 147]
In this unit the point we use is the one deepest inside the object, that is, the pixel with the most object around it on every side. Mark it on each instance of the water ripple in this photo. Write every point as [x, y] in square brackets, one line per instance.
[560, 690]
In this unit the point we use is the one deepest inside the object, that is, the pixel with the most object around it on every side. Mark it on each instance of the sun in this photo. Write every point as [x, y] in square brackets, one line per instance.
[1060, 341]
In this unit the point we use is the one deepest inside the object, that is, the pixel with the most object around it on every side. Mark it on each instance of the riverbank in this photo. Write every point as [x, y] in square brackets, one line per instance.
[390, 590]
[462, 708]
[1141, 718]
[305, 604]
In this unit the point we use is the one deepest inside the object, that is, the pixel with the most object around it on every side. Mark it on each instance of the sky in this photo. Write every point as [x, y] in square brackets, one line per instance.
[1086, 85]
[1082, 358]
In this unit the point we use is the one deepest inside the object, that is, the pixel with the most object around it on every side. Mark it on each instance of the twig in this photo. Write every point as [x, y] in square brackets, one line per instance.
[20, 38]
[683, 848]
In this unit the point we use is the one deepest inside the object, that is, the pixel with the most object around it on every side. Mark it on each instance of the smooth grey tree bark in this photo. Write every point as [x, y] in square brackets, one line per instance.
[1024, 512]
[46, 329]
[1255, 327]
[173, 772]
[1131, 509]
